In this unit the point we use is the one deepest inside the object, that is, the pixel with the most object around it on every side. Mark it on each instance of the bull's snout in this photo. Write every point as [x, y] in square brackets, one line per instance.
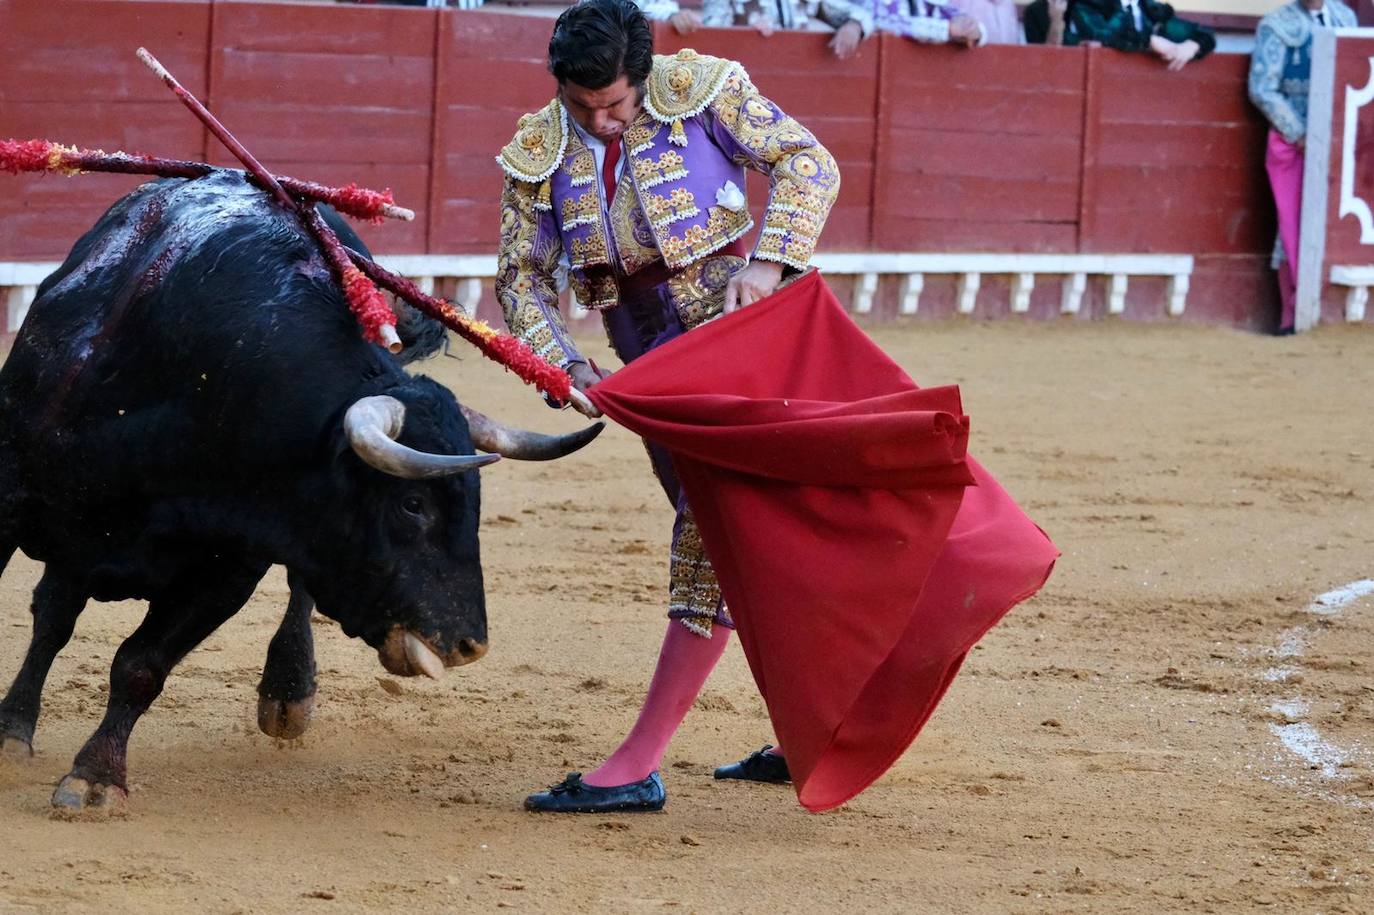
[406, 654]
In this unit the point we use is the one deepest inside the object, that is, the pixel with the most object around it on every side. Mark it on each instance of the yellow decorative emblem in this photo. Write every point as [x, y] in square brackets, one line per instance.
[682, 86]
[640, 135]
[680, 79]
[668, 167]
[539, 144]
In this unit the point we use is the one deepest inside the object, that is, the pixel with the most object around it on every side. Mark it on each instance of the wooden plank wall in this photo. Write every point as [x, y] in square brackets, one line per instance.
[68, 73]
[334, 94]
[974, 156]
[1178, 164]
[1002, 149]
[1175, 163]
[491, 71]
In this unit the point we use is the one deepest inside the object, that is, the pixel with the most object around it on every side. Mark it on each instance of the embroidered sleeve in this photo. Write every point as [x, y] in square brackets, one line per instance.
[1266, 71]
[526, 274]
[658, 10]
[932, 29]
[802, 174]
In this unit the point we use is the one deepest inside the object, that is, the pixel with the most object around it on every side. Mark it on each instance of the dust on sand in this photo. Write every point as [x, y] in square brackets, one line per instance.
[1166, 728]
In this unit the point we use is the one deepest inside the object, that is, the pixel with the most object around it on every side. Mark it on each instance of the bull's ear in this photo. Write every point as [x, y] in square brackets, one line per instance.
[372, 425]
[521, 444]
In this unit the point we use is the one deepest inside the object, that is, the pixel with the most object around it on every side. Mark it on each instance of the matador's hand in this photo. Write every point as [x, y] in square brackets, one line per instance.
[584, 376]
[752, 283]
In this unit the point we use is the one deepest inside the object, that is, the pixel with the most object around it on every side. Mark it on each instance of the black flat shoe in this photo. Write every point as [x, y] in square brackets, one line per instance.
[759, 766]
[573, 795]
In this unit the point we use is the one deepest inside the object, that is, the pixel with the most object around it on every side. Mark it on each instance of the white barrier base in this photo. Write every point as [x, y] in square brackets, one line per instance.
[19, 281]
[1358, 279]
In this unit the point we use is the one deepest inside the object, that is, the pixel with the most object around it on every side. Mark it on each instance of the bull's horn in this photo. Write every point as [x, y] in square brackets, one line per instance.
[372, 425]
[423, 658]
[521, 444]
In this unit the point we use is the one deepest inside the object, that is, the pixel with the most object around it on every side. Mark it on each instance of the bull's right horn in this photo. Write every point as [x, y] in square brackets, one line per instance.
[521, 444]
[372, 424]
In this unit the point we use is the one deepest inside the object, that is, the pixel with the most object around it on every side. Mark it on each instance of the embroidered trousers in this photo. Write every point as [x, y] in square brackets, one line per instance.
[644, 320]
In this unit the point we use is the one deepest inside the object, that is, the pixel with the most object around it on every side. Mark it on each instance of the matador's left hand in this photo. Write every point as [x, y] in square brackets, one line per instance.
[752, 283]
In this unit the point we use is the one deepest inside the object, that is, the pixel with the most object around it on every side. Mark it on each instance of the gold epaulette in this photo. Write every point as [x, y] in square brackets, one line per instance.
[683, 85]
[539, 144]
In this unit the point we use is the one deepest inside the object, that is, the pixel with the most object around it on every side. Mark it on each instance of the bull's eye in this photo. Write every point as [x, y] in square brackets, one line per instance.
[414, 505]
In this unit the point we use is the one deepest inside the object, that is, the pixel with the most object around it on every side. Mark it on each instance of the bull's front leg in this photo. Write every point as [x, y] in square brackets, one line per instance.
[177, 621]
[286, 695]
[57, 601]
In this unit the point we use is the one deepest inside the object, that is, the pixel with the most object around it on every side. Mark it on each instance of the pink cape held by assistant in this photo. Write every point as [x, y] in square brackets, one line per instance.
[861, 552]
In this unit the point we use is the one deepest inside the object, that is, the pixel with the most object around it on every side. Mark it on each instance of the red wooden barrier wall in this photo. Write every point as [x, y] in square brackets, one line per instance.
[978, 152]
[999, 149]
[67, 72]
[491, 71]
[333, 94]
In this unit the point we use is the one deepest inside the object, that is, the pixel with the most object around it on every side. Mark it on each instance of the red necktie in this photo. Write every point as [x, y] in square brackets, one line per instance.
[608, 170]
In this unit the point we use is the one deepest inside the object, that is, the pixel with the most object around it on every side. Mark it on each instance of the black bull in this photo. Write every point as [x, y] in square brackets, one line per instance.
[189, 402]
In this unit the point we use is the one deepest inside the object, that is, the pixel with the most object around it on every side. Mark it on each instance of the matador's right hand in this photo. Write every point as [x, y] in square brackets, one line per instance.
[583, 376]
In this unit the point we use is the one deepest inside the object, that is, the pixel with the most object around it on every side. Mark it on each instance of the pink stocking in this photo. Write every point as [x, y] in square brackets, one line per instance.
[684, 663]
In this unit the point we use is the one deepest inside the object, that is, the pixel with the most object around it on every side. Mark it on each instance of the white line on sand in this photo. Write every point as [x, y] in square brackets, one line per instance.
[1303, 741]
[1299, 737]
[1332, 602]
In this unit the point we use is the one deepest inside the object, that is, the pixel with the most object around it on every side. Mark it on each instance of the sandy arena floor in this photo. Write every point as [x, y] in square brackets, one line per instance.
[1166, 728]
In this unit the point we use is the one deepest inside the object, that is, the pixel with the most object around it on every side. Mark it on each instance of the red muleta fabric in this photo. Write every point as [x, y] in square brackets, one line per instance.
[860, 551]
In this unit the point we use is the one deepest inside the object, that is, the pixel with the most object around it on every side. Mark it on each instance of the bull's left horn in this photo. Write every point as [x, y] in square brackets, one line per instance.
[372, 424]
[521, 444]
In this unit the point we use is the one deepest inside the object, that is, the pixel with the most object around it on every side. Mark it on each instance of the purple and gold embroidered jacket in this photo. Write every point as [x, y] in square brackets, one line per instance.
[680, 197]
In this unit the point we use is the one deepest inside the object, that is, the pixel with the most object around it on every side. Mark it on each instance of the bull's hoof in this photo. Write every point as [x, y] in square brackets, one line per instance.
[74, 795]
[285, 720]
[15, 749]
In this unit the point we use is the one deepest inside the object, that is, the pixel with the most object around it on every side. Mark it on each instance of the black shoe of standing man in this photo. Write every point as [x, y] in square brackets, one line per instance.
[759, 766]
[573, 795]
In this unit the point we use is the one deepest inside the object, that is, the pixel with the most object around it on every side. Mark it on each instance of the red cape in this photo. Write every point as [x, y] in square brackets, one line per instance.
[860, 551]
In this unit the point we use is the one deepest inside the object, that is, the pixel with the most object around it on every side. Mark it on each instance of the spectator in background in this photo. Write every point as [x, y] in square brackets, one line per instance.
[1045, 20]
[682, 20]
[1279, 75]
[850, 20]
[1139, 25]
[998, 19]
[929, 21]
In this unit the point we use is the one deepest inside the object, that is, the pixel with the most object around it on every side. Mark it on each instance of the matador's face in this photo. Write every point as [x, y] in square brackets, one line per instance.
[603, 113]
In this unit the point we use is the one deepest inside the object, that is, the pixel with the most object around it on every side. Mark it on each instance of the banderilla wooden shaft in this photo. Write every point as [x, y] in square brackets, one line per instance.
[323, 234]
[219, 130]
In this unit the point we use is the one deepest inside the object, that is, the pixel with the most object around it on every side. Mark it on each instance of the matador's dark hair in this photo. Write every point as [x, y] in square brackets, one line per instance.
[595, 42]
